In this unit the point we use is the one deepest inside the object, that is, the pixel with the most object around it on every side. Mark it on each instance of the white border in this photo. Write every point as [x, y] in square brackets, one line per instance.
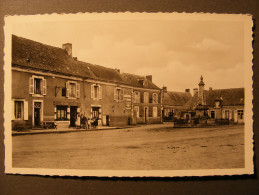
[247, 19]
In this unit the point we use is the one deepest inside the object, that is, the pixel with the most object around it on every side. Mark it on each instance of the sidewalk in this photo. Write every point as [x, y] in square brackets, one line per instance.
[44, 131]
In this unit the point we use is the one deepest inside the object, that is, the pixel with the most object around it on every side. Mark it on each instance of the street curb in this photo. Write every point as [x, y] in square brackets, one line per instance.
[33, 132]
[59, 131]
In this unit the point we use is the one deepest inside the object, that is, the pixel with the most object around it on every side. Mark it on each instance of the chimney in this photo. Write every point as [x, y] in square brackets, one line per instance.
[195, 91]
[210, 88]
[165, 89]
[118, 70]
[68, 48]
[187, 90]
[149, 77]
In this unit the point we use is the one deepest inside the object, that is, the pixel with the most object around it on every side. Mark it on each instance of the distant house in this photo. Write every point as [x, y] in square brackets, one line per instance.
[48, 84]
[217, 103]
[173, 102]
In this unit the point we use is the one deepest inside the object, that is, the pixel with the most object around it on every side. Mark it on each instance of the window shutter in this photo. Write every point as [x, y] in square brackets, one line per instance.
[223, 113]
[115, 94]
[13, 107]
[44, 87]
[67, 89]
[25, 110]
[121, 94]
[92, 91]
[77, 90]
[100, 92]
[141, 97]
[31, 85]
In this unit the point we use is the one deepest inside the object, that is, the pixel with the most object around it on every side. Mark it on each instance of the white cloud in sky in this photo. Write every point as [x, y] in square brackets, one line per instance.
[210, 45]
[176, 53]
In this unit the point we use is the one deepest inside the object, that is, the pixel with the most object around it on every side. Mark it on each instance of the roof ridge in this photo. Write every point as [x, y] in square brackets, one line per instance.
[27, 39]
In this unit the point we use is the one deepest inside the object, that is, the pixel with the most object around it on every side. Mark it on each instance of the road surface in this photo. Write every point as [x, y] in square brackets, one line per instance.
[142, 148]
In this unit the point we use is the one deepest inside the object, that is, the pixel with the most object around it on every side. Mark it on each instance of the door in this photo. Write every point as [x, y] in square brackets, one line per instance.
[73, 115]
[146, 114]
[226, 114]
[37, 114]
[36, 117]
[107, 120]
[95, 115]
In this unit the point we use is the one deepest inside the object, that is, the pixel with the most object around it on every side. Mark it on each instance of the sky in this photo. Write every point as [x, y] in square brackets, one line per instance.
[176, 52]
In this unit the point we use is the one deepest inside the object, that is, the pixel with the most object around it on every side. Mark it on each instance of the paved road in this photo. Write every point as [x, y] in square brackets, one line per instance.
[150, 147]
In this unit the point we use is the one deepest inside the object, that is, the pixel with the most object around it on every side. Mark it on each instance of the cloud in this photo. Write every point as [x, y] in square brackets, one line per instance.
[210, 44]
[125, 54]
[177, 76]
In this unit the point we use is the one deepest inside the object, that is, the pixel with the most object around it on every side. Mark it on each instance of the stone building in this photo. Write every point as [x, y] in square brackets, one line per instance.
[173, 103]
[217, 103]
[49, 84]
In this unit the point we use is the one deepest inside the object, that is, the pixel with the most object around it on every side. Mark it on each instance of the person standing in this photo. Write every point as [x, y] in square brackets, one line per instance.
[78, 124]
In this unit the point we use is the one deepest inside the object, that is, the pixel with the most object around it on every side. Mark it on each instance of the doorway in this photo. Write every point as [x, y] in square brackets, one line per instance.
[37, 114]
[73, 116]
[146, 114]
[107, 120]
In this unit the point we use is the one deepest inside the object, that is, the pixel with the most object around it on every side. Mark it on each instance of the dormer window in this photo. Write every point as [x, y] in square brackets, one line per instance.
[141, 81]
[37, 85]
[218, 103]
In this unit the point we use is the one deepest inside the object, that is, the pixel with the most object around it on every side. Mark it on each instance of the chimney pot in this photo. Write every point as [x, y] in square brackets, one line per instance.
[68, 48]
[187, 90]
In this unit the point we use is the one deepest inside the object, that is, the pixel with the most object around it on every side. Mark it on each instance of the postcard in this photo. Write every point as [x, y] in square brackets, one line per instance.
[128, 94]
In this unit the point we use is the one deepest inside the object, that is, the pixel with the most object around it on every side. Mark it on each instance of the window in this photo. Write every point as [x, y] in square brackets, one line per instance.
[136, 111]
[227, 114]
[212, 114]
[155, 98]
[20, 110]
[61, 113]
[37, 85]
[118, 94]
[96, 92]
[154, 111]
[146, 97]
[136, 97]
[240, 114]
[63, 91]
[72, 89]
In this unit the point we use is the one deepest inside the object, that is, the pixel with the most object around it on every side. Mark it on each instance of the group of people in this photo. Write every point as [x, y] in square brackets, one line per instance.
[86, 123]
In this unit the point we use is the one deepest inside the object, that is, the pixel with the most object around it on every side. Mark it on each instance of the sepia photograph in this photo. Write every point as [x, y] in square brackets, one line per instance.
[128, 94]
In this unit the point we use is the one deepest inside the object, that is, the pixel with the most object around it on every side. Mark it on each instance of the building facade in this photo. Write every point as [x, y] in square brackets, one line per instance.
[217, 104]
[173, 103]
[48, 84]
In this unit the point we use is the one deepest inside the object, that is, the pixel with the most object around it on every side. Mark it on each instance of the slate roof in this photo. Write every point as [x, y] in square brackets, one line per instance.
[229, 97]
[172, 98]
[134, 80]
[34, 55]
